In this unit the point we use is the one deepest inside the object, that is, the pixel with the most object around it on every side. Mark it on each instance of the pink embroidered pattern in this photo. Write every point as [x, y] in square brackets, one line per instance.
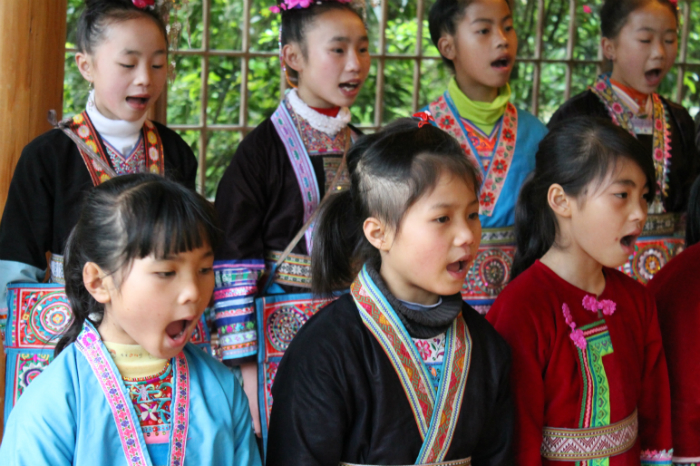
[90, 345]
[298, 4]
[494, 178]
[661, 131]
[657, 457]
[590, 303]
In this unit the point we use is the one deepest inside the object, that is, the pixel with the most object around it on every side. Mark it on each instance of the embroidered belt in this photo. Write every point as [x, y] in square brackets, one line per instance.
[57, 269]
[464, 462]
[664, 225]
[589, 444]
[294, 271]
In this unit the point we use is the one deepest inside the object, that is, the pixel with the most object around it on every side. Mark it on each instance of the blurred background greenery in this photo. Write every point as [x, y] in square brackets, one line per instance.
[184, 104]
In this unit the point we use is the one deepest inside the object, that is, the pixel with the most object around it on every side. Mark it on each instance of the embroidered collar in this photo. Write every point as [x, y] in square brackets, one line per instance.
[639, 98]
[318, 121]
[421, 324]
[661, 151]
[121, 134]
[484, 115]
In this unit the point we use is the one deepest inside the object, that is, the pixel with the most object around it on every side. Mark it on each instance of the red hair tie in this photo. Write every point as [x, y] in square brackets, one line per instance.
[425, 118]
[142, 4]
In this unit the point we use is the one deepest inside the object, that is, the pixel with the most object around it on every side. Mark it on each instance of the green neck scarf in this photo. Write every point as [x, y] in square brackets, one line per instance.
[482, 114]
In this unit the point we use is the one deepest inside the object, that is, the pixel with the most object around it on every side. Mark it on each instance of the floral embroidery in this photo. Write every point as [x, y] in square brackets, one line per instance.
[152, 399]
[576, 334]
[431, 350]
[589, 303]
[446, 117]
[657, 457]
[133, 163]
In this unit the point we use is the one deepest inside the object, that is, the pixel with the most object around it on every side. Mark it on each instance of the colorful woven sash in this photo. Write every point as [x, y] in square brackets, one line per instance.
[301, 163]
[125, 417]
[621, 116]
[82, 126]
[435, 414]
[464, 462]
[448, 119]
[589, 444]
[294, 271]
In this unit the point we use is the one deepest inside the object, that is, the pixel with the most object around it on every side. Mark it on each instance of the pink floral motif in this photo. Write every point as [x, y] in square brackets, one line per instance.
[500, 166]
[508, 134]
[658, 154]
[143, 3]
[659, 124]
[289, 4]
[576, 334]
[591, 304]
[600, 86]
[486, 199]
[423, 348]
[447, 121]
[617, 108]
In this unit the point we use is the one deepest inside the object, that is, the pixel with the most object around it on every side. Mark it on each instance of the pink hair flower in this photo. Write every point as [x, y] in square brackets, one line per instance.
[587, 9]
[143, 3]
[274, 9]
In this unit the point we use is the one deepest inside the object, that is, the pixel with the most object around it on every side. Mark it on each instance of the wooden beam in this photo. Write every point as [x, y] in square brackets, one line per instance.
[32, 53]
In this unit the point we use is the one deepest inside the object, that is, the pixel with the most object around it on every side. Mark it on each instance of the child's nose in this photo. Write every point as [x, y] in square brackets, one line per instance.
[465, 235]
[143, 77]
[353, 62]
[190, 292]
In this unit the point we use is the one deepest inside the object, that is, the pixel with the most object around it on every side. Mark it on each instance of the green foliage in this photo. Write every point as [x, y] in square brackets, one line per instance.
[225, 73]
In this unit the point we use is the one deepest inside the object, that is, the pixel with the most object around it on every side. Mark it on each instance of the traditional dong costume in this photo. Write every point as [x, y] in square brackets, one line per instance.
[676, 289]
[84, 410]
[501, 141]
[589, 375]
[276, 179]
[667, 131]
[45, 198]
[373, 380]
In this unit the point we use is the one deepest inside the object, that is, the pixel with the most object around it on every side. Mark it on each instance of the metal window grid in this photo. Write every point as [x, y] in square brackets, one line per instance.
[206, 52]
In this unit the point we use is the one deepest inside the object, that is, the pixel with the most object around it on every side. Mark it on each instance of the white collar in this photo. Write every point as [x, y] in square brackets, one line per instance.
[121, 134]
[319, 121]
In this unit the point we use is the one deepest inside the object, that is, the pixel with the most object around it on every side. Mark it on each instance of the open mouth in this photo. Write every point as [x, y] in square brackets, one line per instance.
[177, 329]
[458, 267]
[628, 241]
[653, 76]
[350, 86]
[140, 101]
[501, 63]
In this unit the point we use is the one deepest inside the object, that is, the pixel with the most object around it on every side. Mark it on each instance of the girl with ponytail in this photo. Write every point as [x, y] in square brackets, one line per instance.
[402, 238]
[139, 274]
[589, 373]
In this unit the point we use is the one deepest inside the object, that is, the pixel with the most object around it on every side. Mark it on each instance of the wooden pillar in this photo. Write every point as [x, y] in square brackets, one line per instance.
[32, 54]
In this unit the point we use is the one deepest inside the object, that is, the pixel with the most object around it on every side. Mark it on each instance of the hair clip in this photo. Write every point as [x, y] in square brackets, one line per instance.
[298, 4]
[425, 118]
[143, 4]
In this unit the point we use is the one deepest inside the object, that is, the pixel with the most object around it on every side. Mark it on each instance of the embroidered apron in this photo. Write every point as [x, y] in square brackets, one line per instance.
[490, 271]
[436, 414]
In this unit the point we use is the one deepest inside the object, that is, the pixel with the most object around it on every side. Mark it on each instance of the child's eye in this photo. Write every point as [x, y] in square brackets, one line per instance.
[644, 41]
[364, 50]
[474, 216]
[483, 31]
[621, 195]
[123, 65]
[157, 66]
[167, 274]
[338, 50]
[443, 219]
[206, 270]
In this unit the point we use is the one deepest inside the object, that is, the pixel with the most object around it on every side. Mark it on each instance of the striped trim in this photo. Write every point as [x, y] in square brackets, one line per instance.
[588, 444]
[435, 414]
[464, 462]
[294, 271]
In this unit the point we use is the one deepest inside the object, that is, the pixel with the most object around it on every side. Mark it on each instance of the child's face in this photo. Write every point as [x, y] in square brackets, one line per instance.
[606, 222]
[645, 49]
[484, 45]
[128, 68]
[438, 239]
[337, 60]
[159, 302]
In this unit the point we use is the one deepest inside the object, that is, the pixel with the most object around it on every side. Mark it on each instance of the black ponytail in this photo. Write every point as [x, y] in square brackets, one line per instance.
[575, 153]
[127, 218]
[389, 171]
[98, 14]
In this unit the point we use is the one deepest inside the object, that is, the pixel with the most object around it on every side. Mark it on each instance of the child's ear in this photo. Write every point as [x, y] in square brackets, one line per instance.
[95, 281]
[608, 47]
[377, 234]
[84, 65]
[292, 56]
[558, 201]
[446, 46]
